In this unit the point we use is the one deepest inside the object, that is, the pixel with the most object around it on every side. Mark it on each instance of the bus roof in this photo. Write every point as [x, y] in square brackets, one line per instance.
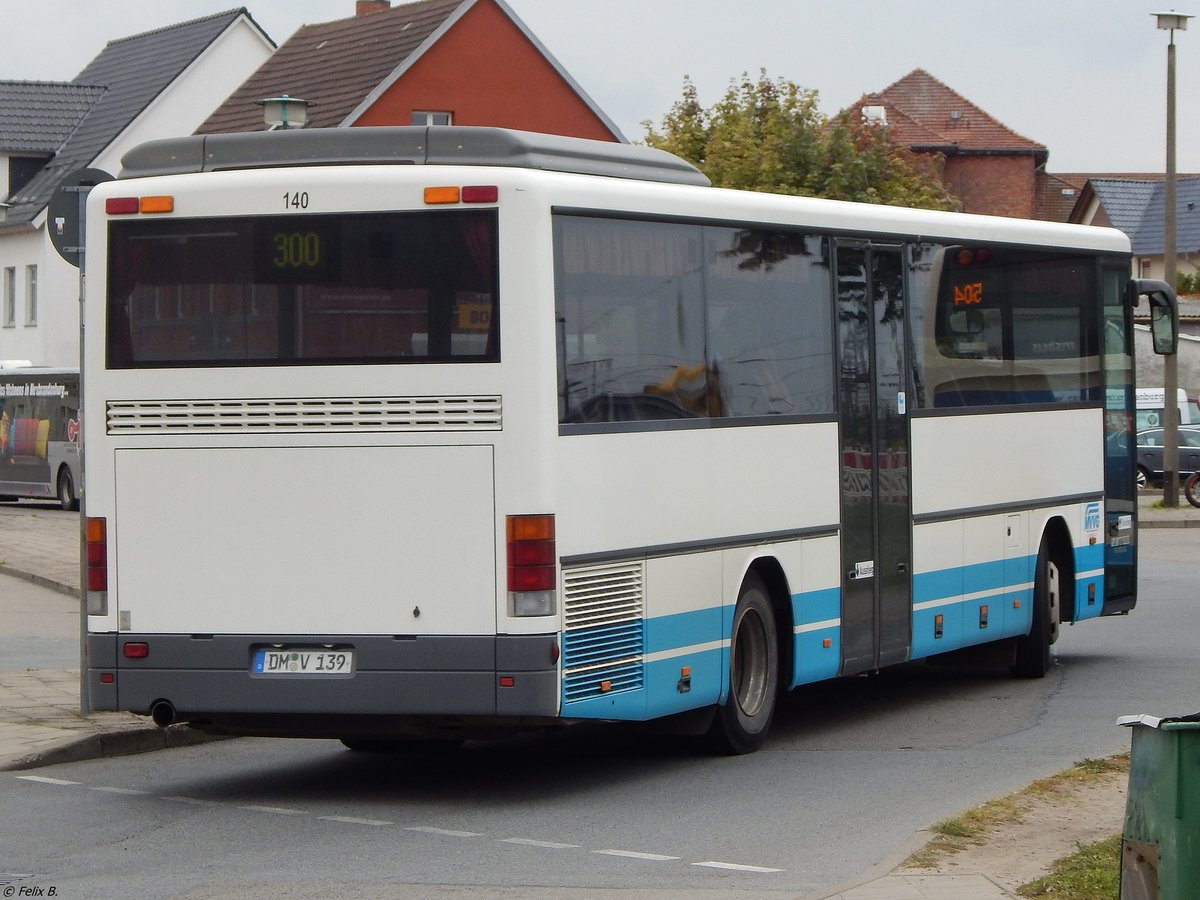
[407, 145]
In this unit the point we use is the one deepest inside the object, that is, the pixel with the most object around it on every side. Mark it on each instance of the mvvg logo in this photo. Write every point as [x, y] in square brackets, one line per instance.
[1091, 517]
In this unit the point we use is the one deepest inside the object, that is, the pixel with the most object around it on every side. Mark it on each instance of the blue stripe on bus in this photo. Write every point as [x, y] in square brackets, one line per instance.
[1007, 585]
[813, 661]
[1089, 559]
[817, 606]
[664, 633]
[971, 579]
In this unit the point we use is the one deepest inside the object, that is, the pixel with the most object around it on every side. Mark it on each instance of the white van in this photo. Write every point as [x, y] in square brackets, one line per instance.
[1150, 408]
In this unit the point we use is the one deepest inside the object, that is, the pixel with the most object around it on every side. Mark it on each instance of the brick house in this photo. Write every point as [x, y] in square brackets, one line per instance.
[438, 62]
[990, 168]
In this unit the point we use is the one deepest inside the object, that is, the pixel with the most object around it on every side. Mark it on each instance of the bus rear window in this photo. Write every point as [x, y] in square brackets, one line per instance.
[308, 290]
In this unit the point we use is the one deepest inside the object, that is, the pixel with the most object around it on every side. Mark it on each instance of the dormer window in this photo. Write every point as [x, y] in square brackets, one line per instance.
[426, 117]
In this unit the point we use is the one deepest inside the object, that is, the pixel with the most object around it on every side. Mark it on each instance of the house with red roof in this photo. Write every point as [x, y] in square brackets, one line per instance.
[433, 62]
[990, 168]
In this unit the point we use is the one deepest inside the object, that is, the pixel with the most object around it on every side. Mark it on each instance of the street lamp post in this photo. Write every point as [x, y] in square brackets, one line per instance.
[1169, 22]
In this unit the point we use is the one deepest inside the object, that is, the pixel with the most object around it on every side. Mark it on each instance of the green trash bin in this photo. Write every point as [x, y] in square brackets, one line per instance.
[1160, 846]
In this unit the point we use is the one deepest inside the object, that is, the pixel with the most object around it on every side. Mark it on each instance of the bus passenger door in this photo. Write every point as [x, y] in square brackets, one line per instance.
[876, 514]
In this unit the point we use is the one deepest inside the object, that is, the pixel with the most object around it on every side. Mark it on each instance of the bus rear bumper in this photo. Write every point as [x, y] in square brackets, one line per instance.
[210, 681]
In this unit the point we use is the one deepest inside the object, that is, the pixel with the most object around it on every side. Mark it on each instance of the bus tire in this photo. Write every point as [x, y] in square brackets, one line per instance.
[66, 490]
[1033, 650]
[742, 721]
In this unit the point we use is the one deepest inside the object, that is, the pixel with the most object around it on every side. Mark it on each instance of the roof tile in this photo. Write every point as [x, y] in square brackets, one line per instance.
[36, 117]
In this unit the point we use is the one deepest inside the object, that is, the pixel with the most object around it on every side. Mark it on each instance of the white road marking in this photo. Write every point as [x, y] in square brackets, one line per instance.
[42, 779]
[736, 867]
[193, 801]
[424, 829]
[117, 790]
[351, 820]
[633, 854]
[443, 831]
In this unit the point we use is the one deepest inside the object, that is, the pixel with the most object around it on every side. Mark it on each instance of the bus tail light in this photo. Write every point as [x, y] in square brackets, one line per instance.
[471, 193]
[96, 560]
[532, 576]
[480, 193]
[128, 206]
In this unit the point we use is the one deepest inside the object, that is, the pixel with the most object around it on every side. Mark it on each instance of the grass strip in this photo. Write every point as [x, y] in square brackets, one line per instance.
[973, 827]
[1093, 872]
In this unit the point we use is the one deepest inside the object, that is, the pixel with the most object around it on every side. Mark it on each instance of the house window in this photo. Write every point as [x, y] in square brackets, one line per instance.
[10, 297]
[426, 117]
[31, 295]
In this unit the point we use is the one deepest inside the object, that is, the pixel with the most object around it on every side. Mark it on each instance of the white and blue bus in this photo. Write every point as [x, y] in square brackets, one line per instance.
[421, 433]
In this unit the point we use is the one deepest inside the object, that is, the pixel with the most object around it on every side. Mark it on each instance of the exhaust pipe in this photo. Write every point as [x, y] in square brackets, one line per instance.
[163, 713]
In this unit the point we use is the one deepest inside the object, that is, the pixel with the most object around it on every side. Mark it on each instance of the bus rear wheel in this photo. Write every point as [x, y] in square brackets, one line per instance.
[66, 490]
[742, 721]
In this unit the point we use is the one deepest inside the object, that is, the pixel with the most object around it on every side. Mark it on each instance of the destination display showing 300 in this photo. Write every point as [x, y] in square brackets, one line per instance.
[295, 251]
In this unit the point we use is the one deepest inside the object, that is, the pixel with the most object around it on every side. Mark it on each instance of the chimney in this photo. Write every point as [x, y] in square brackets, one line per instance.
[366, 7]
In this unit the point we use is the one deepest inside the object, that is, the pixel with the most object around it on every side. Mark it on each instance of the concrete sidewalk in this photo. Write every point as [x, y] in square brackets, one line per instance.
[40, 721]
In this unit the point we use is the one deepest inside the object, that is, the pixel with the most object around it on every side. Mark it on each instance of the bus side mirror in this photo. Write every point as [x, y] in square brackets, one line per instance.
[1164, 322]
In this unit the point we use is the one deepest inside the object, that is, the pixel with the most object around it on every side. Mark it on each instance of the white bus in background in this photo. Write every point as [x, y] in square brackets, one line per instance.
[444, 432]
[39, 433]
[1150, 408]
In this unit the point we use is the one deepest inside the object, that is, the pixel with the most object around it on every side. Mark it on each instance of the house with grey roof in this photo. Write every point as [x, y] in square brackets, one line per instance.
[1136, 205]
[161, 83]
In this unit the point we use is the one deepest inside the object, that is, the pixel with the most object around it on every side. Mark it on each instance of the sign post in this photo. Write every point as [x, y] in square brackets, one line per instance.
[66, 220]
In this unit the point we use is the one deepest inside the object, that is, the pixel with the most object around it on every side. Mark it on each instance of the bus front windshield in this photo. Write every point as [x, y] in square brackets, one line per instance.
[309, 290]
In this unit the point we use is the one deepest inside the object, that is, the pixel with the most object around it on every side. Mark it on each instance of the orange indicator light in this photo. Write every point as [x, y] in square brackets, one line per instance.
[441, 195]
[157, 204]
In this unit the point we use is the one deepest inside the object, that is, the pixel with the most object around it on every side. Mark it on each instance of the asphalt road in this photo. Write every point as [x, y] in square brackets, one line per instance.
[852, 770]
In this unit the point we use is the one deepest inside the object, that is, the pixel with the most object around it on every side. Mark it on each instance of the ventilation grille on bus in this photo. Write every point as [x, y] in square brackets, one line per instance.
[304, 415]
[603, 640]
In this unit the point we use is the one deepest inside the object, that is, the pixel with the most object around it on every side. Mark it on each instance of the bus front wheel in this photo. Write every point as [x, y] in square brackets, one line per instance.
[1033, 650]
[742, 721]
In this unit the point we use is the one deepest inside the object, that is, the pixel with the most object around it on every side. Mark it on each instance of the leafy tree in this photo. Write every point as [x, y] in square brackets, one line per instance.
[768, 135]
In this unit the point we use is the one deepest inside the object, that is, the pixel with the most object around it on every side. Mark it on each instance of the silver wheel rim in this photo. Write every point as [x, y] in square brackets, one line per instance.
[750, 663]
